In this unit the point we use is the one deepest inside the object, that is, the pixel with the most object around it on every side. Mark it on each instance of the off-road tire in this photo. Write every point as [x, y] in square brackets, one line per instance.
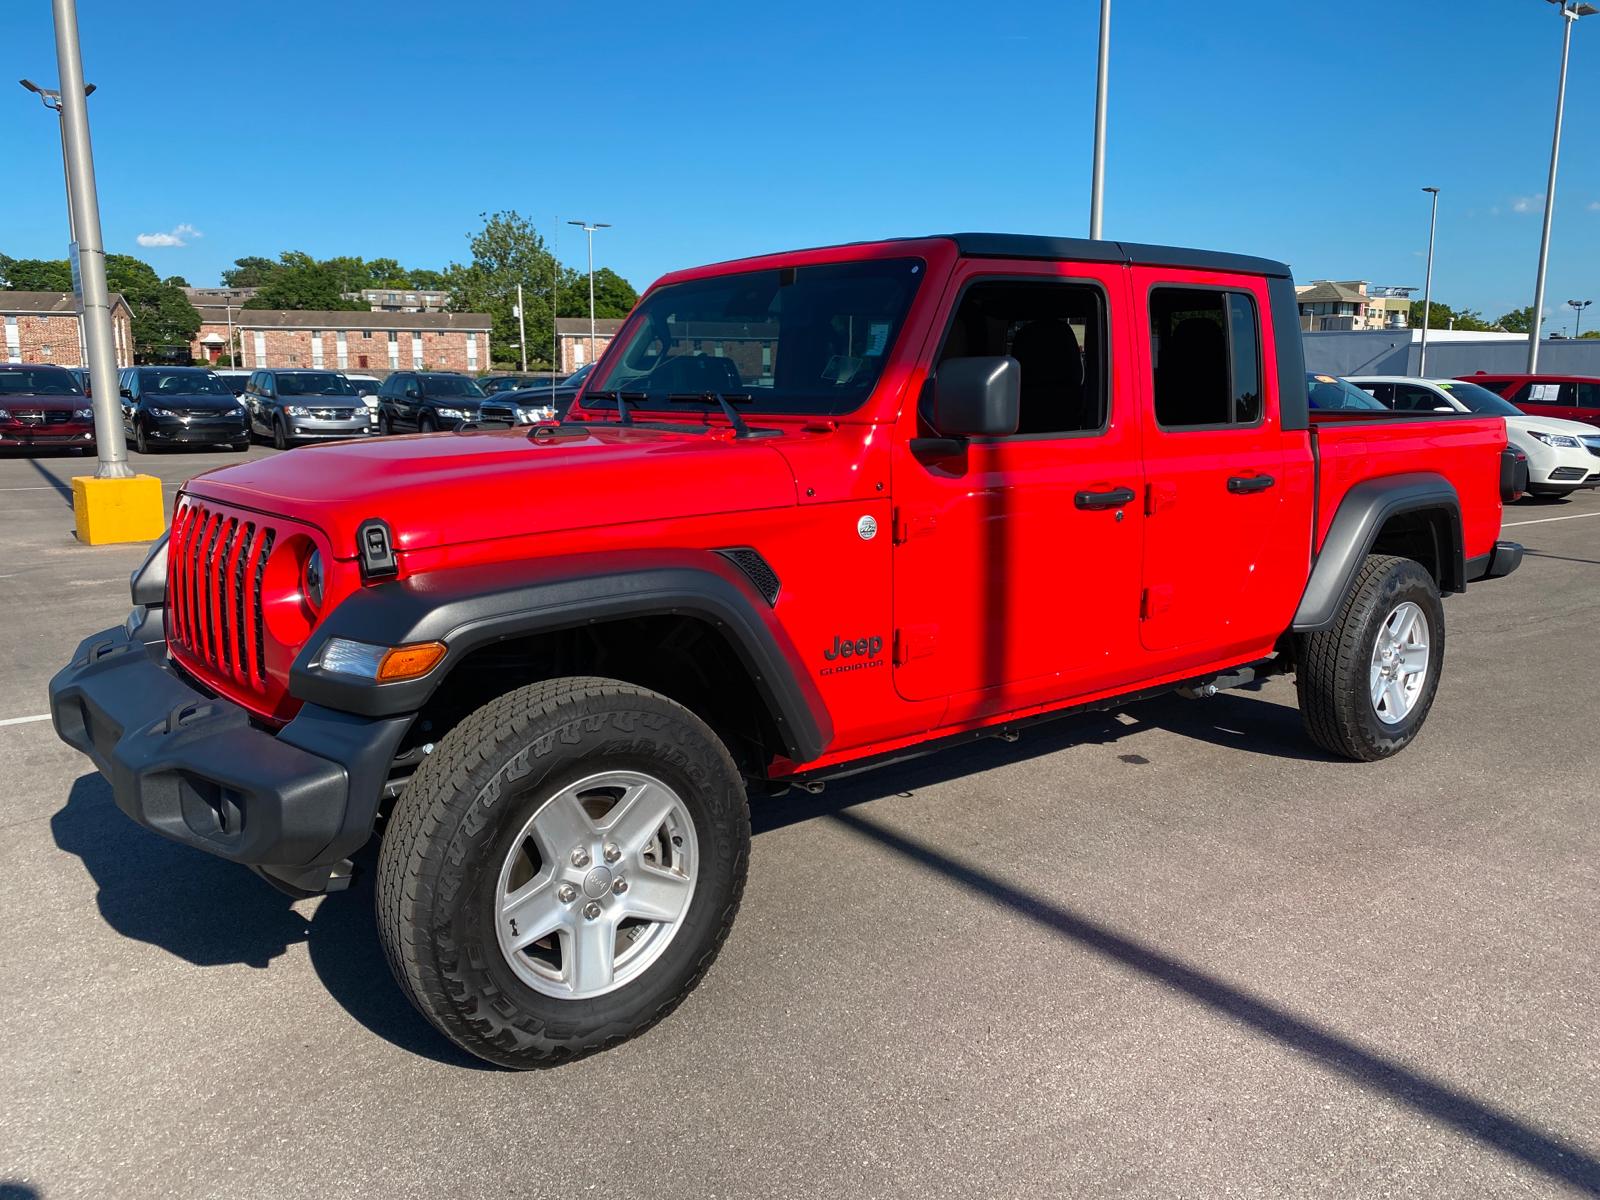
[1331, 672]
[439, 863]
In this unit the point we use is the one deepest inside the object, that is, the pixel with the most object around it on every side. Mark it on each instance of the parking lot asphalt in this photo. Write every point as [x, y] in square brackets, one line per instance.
[1167, 951]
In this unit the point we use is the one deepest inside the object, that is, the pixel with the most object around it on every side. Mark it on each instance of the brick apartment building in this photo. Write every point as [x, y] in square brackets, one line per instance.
[44, 327]
[374, 342]
[575, 348]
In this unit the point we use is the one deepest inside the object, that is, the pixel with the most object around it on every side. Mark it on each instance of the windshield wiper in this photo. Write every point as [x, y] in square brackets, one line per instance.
[721, 399]
[622, 399]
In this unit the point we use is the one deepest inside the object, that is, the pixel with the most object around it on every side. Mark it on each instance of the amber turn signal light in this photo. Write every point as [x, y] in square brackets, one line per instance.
[408, 662]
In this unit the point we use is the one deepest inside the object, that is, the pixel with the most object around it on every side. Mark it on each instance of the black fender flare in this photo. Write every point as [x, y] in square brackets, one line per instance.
[469, 607]
[1362, 515]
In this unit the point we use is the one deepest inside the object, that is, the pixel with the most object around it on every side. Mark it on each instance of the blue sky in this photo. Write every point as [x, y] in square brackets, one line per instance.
[709, 130]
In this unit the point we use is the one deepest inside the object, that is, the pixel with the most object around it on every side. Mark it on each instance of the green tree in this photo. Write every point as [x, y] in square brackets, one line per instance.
[249, 271]
[424, 278]
[1590, 333]
[36, 274]
[613, 295]
[1442, 316]
[1517, 320]
[507, 251]
[164, 322]
[299, 281]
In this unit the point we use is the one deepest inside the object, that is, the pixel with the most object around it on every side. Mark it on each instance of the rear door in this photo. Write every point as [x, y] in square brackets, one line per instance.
[1224, 549]
[1016, 559]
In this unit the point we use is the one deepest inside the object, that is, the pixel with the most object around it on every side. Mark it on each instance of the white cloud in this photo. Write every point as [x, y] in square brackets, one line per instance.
[1528, 204]
[1594, 206]
[180, 236]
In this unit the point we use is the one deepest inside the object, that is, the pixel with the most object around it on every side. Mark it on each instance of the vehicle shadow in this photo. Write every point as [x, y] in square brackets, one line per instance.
[18, 1191]
[1592, 562]
[210, 912]
[1234, 719]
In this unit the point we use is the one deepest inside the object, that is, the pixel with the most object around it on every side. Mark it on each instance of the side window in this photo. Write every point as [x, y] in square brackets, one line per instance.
[1569, 395]
[1057, 333]
[1408, 397]
[1538, 393]
[1589, 395]
[1206, 353]
[1381, 392]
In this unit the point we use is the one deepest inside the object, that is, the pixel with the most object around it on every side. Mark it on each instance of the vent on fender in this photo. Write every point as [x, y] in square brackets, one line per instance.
[756, 569]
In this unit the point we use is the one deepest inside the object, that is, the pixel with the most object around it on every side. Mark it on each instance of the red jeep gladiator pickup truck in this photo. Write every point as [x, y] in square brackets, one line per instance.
[811, 512]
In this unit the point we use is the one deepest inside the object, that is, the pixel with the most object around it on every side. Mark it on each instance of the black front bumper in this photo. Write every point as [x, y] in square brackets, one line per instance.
[193, 767]
[207, 431]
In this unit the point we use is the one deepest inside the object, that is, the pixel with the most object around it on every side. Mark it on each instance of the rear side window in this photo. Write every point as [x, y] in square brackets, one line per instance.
[1206, 355]
[1057, 333]
[1589, 395]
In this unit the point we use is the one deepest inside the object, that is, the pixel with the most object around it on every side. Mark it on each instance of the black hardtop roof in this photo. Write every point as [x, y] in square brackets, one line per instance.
[1027, 245]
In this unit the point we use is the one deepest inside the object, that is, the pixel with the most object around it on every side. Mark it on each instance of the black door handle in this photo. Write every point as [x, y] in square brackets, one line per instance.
[1240, 484]
[1115, 498]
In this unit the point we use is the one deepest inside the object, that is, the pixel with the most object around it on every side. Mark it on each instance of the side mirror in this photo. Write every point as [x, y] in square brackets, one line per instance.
[127, 393]
[977, 397]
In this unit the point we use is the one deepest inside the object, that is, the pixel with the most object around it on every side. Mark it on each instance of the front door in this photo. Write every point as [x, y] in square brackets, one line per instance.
[1219, 548]
[1016, 559]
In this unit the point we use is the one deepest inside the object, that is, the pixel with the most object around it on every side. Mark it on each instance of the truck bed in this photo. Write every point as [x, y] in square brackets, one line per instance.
[1350, 448]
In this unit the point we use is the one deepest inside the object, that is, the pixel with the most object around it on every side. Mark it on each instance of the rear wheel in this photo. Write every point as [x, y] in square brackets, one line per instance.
[562, 869]
[1367, 684]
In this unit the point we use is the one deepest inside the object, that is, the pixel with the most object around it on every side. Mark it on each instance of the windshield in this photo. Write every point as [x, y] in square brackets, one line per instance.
[183, 383]
[793, 339]
[38, 381]
[1335, 395]
[313, 383]
[1480, 399]
[450, 385]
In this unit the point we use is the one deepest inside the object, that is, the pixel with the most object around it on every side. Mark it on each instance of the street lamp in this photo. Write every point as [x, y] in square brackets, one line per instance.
[1571, 10]
[589, 229]
[1427, 285]
[1097, 187]
[1577, 315]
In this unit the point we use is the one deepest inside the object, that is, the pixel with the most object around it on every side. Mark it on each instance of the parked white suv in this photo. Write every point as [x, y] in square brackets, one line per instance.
[1563, 456]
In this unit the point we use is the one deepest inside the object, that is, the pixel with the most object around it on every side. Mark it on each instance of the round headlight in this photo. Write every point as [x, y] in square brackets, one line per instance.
[311, 580]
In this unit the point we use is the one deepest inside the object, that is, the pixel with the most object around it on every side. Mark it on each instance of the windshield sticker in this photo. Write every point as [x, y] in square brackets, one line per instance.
[1545, 393]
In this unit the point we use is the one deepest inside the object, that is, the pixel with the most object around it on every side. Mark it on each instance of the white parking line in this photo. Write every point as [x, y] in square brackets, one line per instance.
[1544, 520]
[25, 720]
[45, 488]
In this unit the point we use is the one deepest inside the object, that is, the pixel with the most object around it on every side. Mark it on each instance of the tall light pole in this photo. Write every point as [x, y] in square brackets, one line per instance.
[1097, 189]
[1427, 284]
[1570, 12]
[1577, 314]
[522, 330]
[589, 229]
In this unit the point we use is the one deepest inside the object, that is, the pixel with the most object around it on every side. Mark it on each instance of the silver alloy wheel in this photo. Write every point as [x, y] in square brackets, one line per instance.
[596, 884]
[1399, 662]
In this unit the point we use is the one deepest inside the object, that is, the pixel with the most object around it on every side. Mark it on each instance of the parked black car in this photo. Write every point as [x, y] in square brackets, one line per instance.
[180, 406]
[423, 401]
[508, 383]
[542, 402]
[292, 406]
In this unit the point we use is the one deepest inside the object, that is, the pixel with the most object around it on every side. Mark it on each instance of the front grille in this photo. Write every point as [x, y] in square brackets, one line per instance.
[332, 414]
[215, 564]
[53, 416]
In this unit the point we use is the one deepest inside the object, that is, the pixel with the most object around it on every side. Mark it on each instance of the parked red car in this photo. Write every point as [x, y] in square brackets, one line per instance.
[1569, 397]
[812, 512]
[43, 406]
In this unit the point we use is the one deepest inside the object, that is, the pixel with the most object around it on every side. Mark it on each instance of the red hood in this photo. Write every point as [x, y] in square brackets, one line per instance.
[444, 489]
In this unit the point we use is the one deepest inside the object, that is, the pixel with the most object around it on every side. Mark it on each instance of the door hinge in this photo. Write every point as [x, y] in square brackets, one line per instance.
[910, 525]
[1158, 496]
[1155, 601]
[914, 641]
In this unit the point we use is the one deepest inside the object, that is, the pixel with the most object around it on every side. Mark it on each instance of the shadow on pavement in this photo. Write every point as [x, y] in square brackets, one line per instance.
[211, 913]
[1556, 1157]
[18, 1191]
[1562, 557]
[63, 489]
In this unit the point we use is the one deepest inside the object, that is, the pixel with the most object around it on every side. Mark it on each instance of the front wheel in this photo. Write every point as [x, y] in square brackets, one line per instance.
[1366, 684]
[141, 440]
[562, 869]
[280, 435]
